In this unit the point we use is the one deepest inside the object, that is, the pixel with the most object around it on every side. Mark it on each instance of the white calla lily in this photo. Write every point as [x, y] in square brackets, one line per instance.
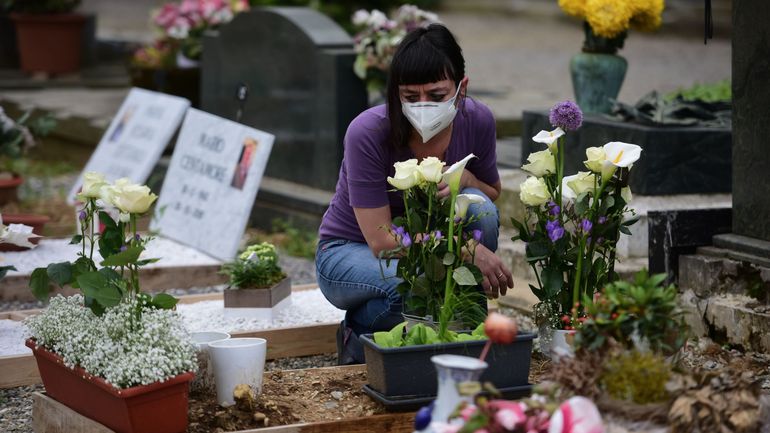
[549, 138]
[454, 173]
[465, 200]
[619, 154]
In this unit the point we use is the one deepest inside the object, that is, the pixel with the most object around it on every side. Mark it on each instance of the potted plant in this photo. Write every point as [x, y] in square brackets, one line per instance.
[50, 35]
[170, 64]
[572, 223]
[439, 287]
[598, 72]
[376, 40]
[256, 279]
[113, 354]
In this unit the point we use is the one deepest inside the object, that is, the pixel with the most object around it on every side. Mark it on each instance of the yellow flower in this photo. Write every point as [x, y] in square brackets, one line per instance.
[576, 8]
[609, 18]
[647, 14]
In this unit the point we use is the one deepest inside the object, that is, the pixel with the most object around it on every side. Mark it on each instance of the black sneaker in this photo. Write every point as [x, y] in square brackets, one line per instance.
[350, 351]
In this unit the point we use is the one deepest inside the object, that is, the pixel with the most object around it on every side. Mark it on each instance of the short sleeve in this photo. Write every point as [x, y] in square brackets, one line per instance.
[484, 145]
[366, 162]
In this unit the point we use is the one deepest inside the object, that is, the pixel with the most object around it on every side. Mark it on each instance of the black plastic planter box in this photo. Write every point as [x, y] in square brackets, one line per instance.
[408, 371]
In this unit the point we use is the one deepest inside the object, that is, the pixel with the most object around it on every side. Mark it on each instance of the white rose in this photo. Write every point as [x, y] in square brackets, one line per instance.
[595, 158]
[540, 163]
[463, 201]
[92, 186]
[360, 17]
[132, 198]
[107, 192]
[377, 19]
[431, 168]
[407, 174]
[534, 192]
[581, 182]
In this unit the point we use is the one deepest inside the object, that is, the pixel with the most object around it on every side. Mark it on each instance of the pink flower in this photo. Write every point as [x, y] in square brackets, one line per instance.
[576, 415]
[508, 414]
[166, 15]
[468, 412]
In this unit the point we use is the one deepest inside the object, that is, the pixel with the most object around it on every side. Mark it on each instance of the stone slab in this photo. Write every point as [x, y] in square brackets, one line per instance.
[672, 233]
[675, 160]
[748, 247]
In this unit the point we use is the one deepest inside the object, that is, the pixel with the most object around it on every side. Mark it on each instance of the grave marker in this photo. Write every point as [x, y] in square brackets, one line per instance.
[136, 137]
[211, 183]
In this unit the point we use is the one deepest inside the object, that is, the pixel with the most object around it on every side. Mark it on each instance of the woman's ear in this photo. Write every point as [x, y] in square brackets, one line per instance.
[464, 86]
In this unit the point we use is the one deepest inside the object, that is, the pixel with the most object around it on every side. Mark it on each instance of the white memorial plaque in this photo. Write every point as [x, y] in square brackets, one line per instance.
[211, 183]
[136, 137]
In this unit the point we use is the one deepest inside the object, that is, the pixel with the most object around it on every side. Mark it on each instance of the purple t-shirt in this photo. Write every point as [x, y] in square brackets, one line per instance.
[369, 157]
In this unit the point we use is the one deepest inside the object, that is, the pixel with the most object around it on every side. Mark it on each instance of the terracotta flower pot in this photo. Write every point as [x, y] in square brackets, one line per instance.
[49, 43]
[37, 222]
[9, 189]
[159, 407]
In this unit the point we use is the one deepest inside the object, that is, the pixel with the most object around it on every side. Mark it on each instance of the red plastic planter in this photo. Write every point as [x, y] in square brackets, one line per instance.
[49, 43]
[160, 407]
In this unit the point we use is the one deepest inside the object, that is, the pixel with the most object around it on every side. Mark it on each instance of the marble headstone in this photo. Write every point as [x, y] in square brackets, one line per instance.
[211, 183]
[297, 65]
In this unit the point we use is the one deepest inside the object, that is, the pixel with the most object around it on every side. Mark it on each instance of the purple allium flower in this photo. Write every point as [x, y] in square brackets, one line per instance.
[437, 235]
[586, 225]
[406, 240]
[553, 208]
[602, 220]
[566, 115]
[477, 235]
[555, 230]
[82, 215]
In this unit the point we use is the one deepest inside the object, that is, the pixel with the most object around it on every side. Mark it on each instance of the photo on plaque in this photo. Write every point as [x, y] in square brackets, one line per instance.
[242, 166]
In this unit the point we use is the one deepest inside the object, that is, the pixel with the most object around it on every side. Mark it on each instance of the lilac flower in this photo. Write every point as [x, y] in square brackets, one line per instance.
[398, 230]
[477, 235]
[82, 215]
[124, 247]
[566, 115]
[553, 208]
[586, 225]
[137, 237]
[555, 230]
[406, 240]
[437, 235]
[602, 220]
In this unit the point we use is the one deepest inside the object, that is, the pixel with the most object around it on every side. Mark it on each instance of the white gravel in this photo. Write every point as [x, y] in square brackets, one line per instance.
[307, 307]
[12, 336]
[54, 250]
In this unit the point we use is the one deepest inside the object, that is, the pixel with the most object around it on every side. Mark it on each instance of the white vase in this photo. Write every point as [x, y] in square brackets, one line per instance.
[185, 62]
[237, 361]
[562, 344]
[204, 378]
[452, 371]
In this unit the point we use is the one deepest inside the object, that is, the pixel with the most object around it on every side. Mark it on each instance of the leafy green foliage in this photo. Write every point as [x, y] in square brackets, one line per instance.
[4, 270]
[636, 376]
[707, 92]
[642, 314]
[421, 334]
[256, 267]
[17, 136]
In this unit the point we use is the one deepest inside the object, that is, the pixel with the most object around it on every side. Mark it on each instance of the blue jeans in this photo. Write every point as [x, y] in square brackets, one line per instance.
[351, 277]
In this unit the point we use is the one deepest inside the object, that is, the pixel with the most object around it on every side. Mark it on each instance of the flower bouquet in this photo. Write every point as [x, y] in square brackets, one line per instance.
[104, 352]
[573, 223]
[378, 37]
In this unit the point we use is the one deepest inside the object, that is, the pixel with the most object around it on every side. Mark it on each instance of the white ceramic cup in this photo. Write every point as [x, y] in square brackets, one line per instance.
[237, 361]
[204, 378]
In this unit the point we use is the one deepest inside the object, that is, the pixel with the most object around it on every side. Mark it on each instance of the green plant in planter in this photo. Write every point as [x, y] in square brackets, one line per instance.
[119, 244]
[18, 136]
[640, 315]
[43, 6]
[256, 267]
[636, 376]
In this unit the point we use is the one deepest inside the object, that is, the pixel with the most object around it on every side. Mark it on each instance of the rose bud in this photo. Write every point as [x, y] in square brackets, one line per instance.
[500, 329]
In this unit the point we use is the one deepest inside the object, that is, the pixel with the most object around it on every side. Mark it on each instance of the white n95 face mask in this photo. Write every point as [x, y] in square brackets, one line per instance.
[430, 118]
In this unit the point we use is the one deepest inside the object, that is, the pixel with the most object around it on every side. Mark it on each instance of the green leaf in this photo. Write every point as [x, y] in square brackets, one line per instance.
[397, 334]
[95, 307]
[110, 274]
[38, 282]
[98, 287]
[581, 203]
[123, 258]
[449, 258]
[624, 230]
[537, 250]
[421, 286]
[60, 273]
[553, 280]
[164, 301]
[146, 261]
[76, 239]
[107, 220]
[434, 269]
[463, 276]
[4, 270]
[479, 331]
[383, 339]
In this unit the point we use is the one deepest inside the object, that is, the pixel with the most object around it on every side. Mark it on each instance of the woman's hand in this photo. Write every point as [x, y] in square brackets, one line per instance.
[497, 277]
[467, 179]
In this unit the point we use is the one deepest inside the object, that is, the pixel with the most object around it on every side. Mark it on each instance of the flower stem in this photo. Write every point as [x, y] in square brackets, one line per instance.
[578, 276]
[91, 220]
[133, 267]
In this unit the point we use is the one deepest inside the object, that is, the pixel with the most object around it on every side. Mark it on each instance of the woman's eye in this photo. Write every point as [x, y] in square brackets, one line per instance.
[437, 98]
[412, 99]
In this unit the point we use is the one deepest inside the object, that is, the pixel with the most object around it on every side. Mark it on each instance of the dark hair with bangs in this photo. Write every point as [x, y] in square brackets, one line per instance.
[425, 55]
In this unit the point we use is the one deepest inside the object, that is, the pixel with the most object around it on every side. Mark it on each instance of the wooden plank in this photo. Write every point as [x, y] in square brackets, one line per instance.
[18, 370]
[50, 416]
